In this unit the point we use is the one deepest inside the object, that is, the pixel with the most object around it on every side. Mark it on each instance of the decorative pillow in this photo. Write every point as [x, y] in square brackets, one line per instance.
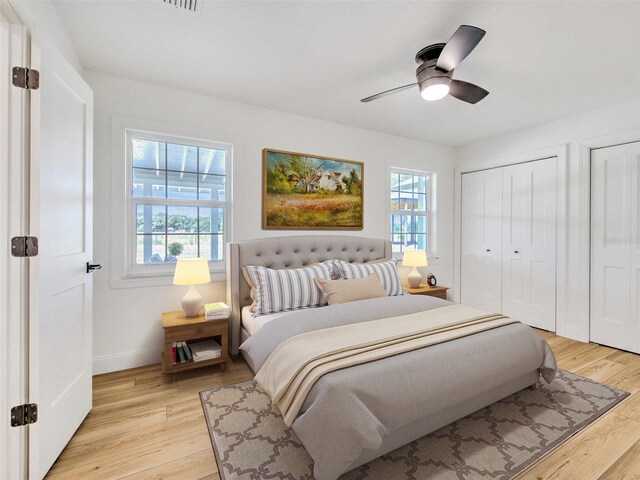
[387, 271]
[285, 289]
[342, 291]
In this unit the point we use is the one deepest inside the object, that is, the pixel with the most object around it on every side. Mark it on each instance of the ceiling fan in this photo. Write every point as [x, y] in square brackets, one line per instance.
[435, 69]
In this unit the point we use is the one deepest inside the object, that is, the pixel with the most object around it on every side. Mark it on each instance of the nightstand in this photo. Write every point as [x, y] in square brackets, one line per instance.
[177, 327]
[424, 289]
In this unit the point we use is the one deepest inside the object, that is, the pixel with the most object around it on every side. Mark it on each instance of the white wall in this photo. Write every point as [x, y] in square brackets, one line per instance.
[42, 17]
[606, 126]
[127, 329]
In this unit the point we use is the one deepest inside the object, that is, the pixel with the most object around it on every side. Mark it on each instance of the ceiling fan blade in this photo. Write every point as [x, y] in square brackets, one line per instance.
[467, 92]
[461, 43]
[388, 92]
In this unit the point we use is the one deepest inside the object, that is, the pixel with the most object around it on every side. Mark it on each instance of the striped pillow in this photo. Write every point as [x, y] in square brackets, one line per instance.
[387, 271]
[285, 289]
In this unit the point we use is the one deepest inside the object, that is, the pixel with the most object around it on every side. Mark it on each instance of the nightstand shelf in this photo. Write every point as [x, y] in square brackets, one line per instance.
[178, 328]
[424, 289]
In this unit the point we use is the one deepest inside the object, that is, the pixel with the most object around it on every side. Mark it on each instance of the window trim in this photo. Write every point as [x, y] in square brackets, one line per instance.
[132, 268]
[430, 213]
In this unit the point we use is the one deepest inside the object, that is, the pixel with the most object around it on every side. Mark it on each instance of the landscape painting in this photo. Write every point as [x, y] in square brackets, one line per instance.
[302, 191]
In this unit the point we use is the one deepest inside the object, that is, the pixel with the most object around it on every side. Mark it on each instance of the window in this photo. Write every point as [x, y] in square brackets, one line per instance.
[178, 200]
[410, 210]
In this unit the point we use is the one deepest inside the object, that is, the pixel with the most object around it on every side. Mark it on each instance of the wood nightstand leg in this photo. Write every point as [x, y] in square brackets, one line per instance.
[223, 367]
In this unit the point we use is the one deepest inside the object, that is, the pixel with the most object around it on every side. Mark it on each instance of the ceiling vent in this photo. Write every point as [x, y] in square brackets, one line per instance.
[193, 6]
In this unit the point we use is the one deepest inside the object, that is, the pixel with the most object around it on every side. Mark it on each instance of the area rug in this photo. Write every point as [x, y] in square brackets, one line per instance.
[251, 441]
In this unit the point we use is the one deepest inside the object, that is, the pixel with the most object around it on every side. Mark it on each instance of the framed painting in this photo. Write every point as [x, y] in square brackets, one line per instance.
[309, 192]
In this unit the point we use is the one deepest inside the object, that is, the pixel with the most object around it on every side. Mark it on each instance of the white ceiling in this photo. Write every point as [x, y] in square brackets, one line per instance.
[540, 60]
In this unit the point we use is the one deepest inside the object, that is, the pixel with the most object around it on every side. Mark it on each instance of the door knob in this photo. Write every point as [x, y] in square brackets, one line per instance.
[488, 249]
[93, 266]
[516, 251]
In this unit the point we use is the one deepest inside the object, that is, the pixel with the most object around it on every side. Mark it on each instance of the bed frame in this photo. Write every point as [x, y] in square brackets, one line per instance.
[288, 252]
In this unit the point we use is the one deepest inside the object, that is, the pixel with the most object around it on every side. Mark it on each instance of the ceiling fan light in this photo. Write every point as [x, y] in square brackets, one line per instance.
[435, 92]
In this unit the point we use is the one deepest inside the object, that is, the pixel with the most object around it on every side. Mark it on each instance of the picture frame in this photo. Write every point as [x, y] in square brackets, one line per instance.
[302, 191]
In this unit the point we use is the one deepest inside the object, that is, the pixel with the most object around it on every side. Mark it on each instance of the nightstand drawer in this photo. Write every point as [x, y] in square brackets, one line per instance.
[195, 331]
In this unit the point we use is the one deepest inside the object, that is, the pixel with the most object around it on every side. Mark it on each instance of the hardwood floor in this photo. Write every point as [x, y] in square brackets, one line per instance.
[142, 427]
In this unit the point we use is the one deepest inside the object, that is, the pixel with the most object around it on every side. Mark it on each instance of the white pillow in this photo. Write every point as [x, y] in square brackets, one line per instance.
[285, 289]
[387, 271]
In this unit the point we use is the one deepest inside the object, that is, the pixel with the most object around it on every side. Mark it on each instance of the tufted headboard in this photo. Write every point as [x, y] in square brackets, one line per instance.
[289, 252]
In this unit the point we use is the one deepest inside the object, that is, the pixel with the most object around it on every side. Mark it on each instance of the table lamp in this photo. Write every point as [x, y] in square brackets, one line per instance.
[415, 258]
[191, 272]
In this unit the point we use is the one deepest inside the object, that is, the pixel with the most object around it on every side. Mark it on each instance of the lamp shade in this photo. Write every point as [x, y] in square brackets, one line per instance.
[191, 271]
[415, 258]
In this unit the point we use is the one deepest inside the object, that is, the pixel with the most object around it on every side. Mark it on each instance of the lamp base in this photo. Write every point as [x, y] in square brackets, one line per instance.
[414, 278]
[191, 302]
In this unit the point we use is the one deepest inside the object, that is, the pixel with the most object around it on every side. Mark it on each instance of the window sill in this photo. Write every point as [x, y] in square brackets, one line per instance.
[142, 281]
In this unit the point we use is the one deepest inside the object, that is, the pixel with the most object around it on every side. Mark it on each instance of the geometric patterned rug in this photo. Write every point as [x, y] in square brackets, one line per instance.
[251, 441]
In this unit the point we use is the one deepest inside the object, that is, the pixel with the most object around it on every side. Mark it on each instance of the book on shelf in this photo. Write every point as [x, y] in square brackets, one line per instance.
[205, 350]
[181, 356]
[213, 311]
[174, 353]
[187, 350]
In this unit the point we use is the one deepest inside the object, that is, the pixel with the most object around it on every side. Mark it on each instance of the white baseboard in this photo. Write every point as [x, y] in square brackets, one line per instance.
[125, 360]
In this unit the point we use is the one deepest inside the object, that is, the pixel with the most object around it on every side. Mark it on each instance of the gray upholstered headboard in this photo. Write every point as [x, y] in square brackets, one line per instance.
[289, 252]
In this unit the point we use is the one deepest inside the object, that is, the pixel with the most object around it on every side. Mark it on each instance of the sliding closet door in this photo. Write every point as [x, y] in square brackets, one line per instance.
[615, 247]
[481, 259]
[529, 243]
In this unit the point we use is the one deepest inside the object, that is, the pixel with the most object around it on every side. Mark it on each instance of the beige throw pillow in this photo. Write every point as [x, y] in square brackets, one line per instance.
[342, 291]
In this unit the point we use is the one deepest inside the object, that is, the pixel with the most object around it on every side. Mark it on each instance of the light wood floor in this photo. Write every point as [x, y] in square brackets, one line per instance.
[143, 427]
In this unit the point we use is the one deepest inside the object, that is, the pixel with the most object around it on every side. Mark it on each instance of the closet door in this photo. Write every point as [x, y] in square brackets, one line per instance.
[529, 243]
[615, 249]
[481, 259]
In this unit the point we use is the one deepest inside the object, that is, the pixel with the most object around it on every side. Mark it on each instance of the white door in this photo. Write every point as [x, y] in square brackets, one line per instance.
[529, 243]
[615, 247]
[60, 337]
[13, 270]
[481, 240]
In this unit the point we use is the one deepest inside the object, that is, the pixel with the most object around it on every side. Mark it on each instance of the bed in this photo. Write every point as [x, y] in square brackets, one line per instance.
[353, 415]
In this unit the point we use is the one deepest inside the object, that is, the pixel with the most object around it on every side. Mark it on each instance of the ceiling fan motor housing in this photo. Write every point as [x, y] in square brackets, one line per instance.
[428, 74]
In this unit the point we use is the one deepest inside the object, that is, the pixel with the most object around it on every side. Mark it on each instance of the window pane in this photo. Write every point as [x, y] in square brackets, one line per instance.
[396, 240]
[405, 201]
[148, 183]
[148, 154]
[181, 246]
[406, 182]
[421, 242]
[395, 181]
[212, 161]
[396, 224]
[211, 220]
[182, 219]
[212, 187]
[150, 249]
[211, 247]
[419, 184]
[410, 241]
[150, 218]
[419, 202]
[408, 225]
[421, 224]
[182, 186]
[182, 158]
[395, 201]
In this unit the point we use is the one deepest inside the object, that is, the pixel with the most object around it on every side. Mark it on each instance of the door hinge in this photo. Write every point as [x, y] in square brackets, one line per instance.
[24, 414]
[24, 246]
[26, 78]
